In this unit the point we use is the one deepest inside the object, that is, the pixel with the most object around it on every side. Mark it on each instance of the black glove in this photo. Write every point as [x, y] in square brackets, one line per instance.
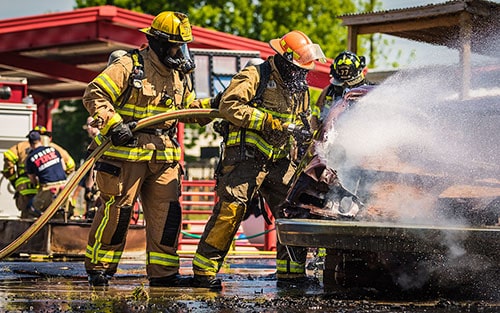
[300, 133]
[91, 194]
[122, 133]
[215, 101]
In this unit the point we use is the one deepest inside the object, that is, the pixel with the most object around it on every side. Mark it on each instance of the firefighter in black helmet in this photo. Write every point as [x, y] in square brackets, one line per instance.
[347, 71]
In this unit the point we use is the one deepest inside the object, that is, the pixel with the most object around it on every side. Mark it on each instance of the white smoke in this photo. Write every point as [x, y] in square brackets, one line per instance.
[408, 125]
[415, 129]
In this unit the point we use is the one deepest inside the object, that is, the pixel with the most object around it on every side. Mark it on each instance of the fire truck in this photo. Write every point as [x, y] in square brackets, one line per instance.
[17, 118]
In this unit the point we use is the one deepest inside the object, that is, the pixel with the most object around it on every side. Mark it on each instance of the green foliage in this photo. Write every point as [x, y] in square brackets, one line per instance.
[258, 19]
[314, 94]
[67, 129]
[263, 20]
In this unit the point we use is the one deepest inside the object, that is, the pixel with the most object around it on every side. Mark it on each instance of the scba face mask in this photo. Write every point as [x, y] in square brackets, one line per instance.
[181, 61]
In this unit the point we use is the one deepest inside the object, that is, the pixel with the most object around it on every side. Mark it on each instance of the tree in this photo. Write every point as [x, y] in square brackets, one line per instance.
[260, 20]
[67, 129]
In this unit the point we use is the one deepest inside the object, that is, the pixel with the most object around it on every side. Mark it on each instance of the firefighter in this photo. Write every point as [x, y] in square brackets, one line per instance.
[257, 153]
[46, 169]
[14, 170]
[87, 183]
[153, 79]
[347, 71]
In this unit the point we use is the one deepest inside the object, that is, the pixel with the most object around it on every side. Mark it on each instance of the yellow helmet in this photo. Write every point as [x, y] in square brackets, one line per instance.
[44, 134]
[170, 26]
[297, 48]
[41, 129]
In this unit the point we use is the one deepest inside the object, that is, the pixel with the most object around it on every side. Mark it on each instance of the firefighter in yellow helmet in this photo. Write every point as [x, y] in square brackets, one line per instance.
[14, 170]
[257, 154]
[152, 80]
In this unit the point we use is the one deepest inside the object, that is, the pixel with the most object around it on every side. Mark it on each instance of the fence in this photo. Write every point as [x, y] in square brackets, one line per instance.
[197, 201]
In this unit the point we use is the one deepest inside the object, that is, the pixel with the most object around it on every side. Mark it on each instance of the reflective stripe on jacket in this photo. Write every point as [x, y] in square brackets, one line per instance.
[237, 108]
[163, 90]
[14, 166]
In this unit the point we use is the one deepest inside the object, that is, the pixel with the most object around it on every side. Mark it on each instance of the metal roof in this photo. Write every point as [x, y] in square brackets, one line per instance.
[445, 24]
[59, 53]
[467, 25]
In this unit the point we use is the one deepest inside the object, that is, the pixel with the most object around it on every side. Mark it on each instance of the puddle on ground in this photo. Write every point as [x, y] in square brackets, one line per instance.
[248, 287]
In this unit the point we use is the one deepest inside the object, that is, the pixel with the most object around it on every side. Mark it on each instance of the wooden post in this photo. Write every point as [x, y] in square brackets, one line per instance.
[465, 53]
[352, 39]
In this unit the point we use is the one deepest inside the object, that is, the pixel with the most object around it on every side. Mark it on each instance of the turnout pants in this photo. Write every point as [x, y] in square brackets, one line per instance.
[158, 185]
[238, 181]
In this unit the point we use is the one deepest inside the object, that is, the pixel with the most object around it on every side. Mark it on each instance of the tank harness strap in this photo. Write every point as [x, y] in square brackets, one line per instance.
[135, 78]
[264, 70]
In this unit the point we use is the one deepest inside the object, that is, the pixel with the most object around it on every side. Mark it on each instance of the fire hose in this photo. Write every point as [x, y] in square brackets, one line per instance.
[87, 165]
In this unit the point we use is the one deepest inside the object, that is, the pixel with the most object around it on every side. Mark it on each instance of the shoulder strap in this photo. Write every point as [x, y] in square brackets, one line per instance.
[135, 78]
[265, 73]
[264, 70]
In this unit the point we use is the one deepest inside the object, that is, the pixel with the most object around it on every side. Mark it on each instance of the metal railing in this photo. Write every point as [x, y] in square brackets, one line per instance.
[197, 200]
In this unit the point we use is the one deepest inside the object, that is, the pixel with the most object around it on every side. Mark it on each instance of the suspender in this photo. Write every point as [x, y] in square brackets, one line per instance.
[135, 78]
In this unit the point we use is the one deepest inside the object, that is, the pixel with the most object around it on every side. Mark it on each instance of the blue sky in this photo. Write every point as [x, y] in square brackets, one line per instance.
[19, 8]
[423, 52]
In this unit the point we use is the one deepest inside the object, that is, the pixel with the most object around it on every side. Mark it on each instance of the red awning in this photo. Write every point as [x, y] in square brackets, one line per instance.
[59, 53]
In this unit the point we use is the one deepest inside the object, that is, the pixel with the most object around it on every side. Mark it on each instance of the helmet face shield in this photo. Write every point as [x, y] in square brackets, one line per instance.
[308, 54]
[298, 49]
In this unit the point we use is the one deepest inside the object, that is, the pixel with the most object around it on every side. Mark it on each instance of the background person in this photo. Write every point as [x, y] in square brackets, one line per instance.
[87, 183]
[46, 169]
[347, 71]
[14, 169]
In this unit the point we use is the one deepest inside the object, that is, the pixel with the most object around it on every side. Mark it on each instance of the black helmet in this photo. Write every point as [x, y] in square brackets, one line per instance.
[348, 67]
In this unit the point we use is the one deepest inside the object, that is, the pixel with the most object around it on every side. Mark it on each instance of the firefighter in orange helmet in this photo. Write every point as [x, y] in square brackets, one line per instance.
[257, 154]
[152, 80]
[14, 170]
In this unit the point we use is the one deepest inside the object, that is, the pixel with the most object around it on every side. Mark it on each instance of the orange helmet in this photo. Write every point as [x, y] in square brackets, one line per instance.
[298, 49]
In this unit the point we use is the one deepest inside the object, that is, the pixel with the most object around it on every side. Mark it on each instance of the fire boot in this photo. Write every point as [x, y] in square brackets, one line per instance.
[174, 280]
[301, 282]
[210, 282]
[98, 278]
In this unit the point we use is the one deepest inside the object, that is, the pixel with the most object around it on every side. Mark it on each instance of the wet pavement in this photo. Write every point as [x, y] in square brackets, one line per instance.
[248, 286]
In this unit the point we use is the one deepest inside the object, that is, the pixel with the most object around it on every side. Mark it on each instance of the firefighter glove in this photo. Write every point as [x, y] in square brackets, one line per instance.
[272, 124]
[300, 133]
[215, 101]
[122, 133]
[91, 194]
